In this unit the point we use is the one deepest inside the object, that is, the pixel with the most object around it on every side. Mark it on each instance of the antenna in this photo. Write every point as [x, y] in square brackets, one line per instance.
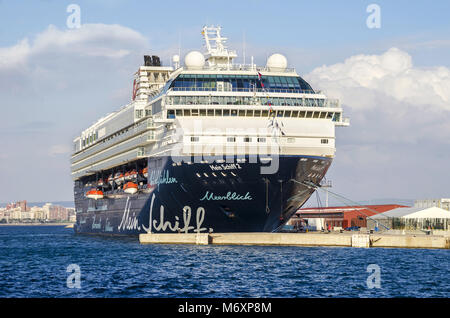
[324, 183]
[243, 46]
[217, 53]
[179, 44]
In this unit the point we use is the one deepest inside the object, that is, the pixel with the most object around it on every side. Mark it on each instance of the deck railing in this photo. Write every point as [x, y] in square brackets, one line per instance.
[243, 89]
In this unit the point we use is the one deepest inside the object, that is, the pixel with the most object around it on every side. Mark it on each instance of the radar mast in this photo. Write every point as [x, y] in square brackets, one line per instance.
[217, 53]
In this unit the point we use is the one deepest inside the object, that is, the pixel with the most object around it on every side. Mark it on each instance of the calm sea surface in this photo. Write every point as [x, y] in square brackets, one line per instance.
[34, 261]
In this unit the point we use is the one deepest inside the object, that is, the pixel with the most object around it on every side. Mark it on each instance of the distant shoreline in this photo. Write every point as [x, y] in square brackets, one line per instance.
[37, 224]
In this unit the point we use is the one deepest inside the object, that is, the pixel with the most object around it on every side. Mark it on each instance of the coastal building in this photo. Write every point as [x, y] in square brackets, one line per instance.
[412, 219]
[20, 212]
[19, 204]
[428, 203]
[46, 209]
[15, 214]
[339, 217]
[38, 213]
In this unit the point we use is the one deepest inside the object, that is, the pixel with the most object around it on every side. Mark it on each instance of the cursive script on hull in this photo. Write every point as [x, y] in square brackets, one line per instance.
[129, 222]
[176, 226]
[161, 177]
[96, 226]
[231, 196]
[132, 223]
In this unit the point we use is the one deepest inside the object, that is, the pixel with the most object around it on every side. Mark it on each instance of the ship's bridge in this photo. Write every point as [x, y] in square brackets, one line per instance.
[240, 83]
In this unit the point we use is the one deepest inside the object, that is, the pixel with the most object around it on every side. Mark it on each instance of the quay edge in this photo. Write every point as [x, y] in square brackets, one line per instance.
[301, 239]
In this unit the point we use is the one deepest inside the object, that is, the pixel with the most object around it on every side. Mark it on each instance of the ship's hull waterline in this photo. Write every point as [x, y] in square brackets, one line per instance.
[204, 197]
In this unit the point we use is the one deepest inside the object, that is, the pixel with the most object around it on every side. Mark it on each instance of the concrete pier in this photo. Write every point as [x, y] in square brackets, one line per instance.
[301, 239]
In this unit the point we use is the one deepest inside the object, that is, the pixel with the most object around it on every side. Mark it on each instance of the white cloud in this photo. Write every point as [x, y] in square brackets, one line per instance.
[390, 99]
[94, 40]
[399, 136]
[55, 84]
[391, 74]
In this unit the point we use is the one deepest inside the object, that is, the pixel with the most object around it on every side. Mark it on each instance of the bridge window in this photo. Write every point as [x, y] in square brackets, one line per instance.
[202, 82]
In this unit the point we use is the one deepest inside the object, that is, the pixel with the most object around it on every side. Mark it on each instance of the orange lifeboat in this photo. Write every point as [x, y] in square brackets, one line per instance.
[100, 182]
[94, 194]
[130, 187]
[127, 176]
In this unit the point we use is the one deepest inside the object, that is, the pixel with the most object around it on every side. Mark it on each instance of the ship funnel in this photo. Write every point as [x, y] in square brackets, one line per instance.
[147, 60]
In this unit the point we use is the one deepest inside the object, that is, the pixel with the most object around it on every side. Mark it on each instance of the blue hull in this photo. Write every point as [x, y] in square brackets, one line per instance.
[203, 197]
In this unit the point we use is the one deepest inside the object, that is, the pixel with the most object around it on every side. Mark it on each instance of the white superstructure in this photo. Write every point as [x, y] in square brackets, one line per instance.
[212, 107]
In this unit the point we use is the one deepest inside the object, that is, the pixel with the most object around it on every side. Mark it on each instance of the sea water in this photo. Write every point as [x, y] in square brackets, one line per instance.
[47, 261]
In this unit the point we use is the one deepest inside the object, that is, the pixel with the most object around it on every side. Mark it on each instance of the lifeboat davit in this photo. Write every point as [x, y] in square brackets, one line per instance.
[145, 172]
[110, 180]
[94, 194]
[130, 187]
[133, 175]
[119, 178]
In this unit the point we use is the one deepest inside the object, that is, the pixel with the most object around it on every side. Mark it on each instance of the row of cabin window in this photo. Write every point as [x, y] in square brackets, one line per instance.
[172, 113]
[118, 133]
[87, 141]
[139, 113]
[244, 100]
[258, 139]
[233, 139]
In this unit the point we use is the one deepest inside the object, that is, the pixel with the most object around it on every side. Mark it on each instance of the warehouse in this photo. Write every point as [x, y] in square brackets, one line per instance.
[336, 218]
[432, 218]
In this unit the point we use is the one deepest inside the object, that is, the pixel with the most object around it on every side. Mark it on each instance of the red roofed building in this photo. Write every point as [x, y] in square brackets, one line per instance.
[340, 216]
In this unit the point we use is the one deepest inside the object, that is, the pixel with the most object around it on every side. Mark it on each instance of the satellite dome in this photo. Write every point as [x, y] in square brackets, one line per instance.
[194, 59]
[277, 62]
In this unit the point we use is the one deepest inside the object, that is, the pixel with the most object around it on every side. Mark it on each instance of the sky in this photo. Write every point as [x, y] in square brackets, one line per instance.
[393, 81]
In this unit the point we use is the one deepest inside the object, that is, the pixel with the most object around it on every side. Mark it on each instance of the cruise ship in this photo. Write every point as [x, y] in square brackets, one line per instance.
[207, 145]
